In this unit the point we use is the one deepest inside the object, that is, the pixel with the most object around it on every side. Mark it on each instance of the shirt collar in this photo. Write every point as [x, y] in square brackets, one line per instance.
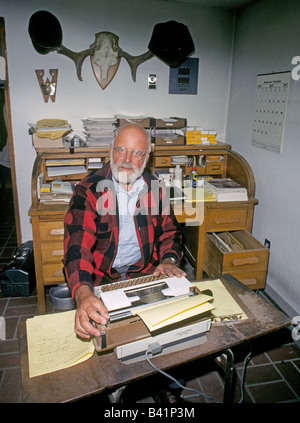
[136, 188]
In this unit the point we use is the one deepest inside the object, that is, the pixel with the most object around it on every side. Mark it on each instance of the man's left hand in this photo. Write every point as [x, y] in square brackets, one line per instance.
[169, 268]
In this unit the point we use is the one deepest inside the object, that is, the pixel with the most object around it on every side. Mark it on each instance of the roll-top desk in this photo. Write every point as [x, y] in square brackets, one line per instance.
[249, 265]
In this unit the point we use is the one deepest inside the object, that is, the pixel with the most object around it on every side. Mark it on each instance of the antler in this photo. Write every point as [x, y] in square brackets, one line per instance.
[77, 57]
[135, 61]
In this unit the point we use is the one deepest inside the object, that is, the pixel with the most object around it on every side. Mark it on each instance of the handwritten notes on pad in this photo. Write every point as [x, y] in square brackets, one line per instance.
[53, 344]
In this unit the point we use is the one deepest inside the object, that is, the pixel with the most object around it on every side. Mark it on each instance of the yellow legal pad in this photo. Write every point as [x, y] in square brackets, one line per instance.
[53, 344]
[225, 306]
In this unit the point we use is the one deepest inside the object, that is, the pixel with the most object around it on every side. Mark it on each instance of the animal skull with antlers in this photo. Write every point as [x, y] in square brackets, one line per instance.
[105, 58]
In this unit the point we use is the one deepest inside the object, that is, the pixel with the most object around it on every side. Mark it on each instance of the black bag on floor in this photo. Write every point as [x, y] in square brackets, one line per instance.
[18, 276]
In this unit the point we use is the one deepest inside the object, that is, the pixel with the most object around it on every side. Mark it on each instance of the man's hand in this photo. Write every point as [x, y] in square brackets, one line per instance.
[169, 268]
[89, 308]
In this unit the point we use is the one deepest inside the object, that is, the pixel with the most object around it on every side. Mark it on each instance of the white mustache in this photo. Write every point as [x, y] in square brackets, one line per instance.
[126, 166]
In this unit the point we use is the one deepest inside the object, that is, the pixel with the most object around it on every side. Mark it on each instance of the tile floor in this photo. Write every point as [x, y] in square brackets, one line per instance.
[272, 375]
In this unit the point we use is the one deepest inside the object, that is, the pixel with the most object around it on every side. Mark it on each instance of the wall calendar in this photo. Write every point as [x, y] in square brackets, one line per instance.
[270, 110]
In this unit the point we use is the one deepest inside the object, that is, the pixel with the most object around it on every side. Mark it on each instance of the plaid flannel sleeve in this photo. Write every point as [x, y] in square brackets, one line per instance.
[80, 235]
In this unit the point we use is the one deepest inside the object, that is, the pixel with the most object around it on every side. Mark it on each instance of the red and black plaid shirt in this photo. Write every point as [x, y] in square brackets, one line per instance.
[92, 231]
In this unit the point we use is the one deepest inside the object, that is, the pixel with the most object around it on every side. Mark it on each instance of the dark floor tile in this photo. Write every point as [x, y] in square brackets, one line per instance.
[21, 311]
[10, 388]
[297, 363]
[22, 301]
[192, 397]
[9, 360]
[290, 374]
[3, 304]
[271, 392]
[8, 346]
[261, 374]
[212, 386]
[11, 324]
[284, 352]
[260, 359]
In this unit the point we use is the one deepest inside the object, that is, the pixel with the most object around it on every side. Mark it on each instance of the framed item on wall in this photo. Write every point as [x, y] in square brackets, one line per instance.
[270, 110]
[184, 78]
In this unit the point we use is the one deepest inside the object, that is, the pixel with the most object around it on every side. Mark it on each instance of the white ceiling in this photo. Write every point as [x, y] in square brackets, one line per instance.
[232, 4]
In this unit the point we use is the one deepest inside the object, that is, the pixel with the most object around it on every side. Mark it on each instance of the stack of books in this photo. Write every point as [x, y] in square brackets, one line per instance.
[226, 189]
[99, 132]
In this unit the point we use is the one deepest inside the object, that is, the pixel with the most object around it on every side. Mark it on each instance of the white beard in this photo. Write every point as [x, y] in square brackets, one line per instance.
[126, 177]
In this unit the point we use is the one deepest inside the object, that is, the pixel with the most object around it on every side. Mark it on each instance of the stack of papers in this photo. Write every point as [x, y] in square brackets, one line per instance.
[179, 160]
[62, 167]
[177, 310]
[225, 189]
[99, 132]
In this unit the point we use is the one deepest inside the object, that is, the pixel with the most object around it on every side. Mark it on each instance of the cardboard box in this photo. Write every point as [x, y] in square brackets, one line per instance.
[172, 122]
[46, 142]
[144, 122]
[169, 141]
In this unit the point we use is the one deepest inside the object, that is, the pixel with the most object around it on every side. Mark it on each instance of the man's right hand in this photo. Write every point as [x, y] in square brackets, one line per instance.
[89, 308]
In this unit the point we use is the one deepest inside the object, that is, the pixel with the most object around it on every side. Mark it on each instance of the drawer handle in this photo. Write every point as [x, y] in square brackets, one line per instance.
[58, 273]
[246, 260]
[54, 232]
[164, 161]
[222, 220]
[215, 167]
[57, 252]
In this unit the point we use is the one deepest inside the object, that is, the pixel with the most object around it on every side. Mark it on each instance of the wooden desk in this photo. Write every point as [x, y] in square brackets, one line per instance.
[105, 372]
[198, 219]
[219, 161]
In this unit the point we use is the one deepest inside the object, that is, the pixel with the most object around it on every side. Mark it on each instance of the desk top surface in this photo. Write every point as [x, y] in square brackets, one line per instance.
[106, 372]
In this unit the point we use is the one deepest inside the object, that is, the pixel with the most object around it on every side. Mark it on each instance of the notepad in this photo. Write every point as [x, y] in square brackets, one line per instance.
[225, 306]
[53, 344]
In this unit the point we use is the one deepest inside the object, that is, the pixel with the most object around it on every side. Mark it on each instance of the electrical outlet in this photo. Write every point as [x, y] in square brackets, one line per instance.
[267, 243]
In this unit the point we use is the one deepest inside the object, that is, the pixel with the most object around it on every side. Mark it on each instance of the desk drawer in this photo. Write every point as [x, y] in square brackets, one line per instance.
[52, 251]
[52, 230]
[247, 259]
[254, 279]
[214, 167]
[226, 219]
[53, 273]
[162, 161]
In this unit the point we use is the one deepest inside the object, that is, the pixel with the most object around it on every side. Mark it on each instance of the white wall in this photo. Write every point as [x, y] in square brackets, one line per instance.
[267, 38]
[133, 22]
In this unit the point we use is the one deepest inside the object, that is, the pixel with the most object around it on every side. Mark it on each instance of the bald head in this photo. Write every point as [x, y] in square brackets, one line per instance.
[129, 154]
[137, 134]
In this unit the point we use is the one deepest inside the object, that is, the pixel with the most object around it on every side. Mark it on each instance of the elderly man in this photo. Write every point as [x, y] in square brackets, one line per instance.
[117, 228]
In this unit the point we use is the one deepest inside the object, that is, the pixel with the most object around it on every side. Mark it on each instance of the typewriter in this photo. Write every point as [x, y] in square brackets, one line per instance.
[126, 332]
